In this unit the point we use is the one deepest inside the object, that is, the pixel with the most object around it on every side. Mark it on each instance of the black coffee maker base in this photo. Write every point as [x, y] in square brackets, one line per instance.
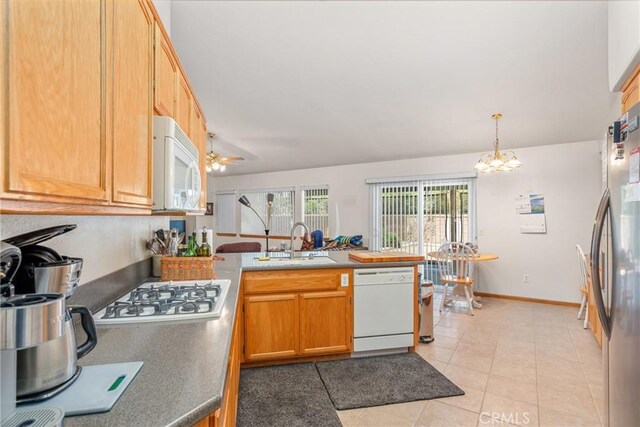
[48, 394]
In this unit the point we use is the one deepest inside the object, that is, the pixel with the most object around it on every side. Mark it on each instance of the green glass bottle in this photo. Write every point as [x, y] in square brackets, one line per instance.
[205, 249]
[194, 240]
[191, 247]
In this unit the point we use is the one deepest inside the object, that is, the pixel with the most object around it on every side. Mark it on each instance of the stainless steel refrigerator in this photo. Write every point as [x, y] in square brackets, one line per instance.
[615, 263]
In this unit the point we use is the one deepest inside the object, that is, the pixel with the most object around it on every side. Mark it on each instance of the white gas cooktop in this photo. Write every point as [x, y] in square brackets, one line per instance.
[164, 301]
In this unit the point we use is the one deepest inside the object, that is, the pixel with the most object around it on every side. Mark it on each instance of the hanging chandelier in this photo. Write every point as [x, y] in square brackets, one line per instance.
[497, 161]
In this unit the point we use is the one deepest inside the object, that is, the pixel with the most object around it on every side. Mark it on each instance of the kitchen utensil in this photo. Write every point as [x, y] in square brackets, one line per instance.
[44, 270]
[97, 389]
[25, 321]
[151, 247]
[160, 235]
[48, 368]
[162, 247]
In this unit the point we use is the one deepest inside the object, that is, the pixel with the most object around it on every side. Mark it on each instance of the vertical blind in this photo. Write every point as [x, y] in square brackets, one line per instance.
[226, 204]
[282, 213]
[419, 215]
[315, 208]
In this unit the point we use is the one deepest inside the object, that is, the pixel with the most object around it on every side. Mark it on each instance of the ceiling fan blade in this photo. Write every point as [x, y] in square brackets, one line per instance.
[230, 159]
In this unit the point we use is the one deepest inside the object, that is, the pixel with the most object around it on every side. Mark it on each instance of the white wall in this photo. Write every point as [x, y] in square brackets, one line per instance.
[568, 175]
[624, 40]
[164, 10]
[106, 243]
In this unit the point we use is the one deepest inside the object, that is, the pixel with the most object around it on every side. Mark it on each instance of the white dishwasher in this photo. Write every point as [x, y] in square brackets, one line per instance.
[383, 304]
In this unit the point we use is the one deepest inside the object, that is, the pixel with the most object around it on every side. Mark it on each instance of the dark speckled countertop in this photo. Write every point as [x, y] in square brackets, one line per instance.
[185, 363]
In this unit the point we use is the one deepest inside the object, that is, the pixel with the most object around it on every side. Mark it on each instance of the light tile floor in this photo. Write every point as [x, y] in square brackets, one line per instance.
[523, 363]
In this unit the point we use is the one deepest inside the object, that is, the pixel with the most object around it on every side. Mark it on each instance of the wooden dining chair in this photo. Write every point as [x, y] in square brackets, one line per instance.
[455, 266]
[582, 270]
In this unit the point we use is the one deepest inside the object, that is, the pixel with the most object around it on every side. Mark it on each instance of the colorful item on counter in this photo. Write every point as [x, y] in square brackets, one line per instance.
[349, 240]
[318, 239]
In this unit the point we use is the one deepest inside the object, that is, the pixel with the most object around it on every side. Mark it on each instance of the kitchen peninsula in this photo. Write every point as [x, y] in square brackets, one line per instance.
[191, 368]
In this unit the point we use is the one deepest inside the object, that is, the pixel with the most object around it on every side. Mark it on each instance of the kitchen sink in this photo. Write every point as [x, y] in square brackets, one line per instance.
[274, 262]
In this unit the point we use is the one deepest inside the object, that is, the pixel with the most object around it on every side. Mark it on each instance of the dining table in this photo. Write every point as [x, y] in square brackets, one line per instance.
[477, 257]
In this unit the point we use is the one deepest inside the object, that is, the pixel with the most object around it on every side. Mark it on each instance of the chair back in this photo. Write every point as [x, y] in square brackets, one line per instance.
[239, 247]
[582, 266]
[454, 260]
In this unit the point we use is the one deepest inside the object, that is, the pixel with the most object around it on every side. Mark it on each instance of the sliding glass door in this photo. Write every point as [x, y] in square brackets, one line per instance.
[418, 216]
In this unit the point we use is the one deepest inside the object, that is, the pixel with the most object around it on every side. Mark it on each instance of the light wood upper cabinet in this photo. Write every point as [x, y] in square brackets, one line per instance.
[198, 136]
[133, 26]
[271, 326]
[325, 326]
[84, 78]
[56, 148]
[165, 75]
[184, 101]
[631, 91]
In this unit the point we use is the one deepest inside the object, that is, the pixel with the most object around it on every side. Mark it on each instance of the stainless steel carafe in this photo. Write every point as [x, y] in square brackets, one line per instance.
[42, 370]
[26, 321]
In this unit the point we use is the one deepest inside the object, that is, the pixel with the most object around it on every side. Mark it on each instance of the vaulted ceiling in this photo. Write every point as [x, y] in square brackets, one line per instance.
[292, 85]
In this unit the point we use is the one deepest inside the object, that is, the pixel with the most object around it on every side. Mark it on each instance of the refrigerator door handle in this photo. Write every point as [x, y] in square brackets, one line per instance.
[596, 238]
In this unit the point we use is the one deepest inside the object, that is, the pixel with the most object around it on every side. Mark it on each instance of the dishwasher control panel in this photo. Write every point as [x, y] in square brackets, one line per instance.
[372, 276]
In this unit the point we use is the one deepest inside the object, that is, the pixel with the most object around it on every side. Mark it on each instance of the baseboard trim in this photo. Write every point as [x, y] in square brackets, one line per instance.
[527, 299]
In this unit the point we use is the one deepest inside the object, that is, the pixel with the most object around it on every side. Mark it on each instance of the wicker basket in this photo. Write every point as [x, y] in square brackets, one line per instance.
[187, 268]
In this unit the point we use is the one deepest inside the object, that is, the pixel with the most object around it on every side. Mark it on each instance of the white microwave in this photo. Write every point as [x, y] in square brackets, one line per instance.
[176, 173]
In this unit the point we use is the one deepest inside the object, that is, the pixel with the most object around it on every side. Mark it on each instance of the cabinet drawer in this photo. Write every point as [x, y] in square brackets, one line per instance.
[293, 280]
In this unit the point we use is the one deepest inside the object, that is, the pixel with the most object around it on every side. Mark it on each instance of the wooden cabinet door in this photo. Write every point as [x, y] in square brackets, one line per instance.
[165, 75]
[184, 100]
[56, 148]
[271, 327]
[325, 325]
[630, 94]
[132, 110]
[199, 138]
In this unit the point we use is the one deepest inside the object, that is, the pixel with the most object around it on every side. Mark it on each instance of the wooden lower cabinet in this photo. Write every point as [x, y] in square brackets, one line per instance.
[271, 326]
[312, 315]
[227, 414]
[325, 325]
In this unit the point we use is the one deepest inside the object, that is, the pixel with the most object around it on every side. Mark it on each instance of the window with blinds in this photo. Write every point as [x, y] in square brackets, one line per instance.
[226, 205]
[282, 213]
[315, 208]
[418, 215]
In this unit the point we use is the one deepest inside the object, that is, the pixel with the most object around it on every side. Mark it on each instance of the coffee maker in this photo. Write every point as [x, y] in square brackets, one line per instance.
[49, 368]
[26, 321]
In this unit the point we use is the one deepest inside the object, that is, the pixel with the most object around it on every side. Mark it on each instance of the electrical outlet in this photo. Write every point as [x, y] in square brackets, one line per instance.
[525, 278]
[344, 280]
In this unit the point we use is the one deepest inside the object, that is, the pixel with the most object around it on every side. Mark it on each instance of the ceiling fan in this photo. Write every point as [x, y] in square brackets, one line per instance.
[216, 162]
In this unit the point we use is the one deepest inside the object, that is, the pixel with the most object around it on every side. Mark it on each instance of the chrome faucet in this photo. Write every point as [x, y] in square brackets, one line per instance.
[293, 229]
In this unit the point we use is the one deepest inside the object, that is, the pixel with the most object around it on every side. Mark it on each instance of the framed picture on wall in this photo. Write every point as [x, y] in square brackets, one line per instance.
[209, 210]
